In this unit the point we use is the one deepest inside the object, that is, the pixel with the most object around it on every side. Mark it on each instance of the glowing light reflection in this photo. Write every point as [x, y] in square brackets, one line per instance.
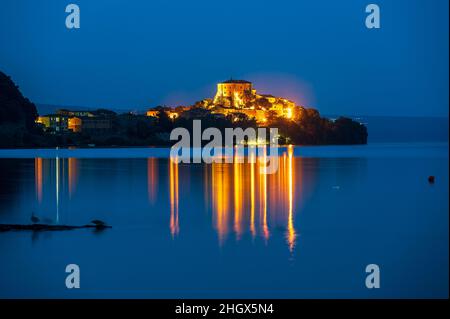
[173, 175]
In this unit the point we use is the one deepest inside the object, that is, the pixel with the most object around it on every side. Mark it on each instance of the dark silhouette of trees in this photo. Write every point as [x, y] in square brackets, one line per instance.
[164, 123]
[14, 108]
[17, 115]
[312, 129]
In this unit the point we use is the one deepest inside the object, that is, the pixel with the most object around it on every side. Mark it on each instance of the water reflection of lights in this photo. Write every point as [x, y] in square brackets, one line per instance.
[173, 176]
[263, 195]
[220, 184]
[62, 168]
[252, 194]
[38, 178]
[238, 202]
[73, 175]
[152, 178]
[245, 199]
[290, 227]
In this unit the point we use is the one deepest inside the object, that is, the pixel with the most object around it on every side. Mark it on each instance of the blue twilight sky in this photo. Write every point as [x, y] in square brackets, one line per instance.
[136, 54]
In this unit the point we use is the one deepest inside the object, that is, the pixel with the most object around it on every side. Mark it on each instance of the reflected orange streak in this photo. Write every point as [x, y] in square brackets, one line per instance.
[237, 197]
[173, 176]
[220, 198]
[275, 191]
[73, 174]
[252, 195]
[290, 227]
[263, 195]
[152, 178]
[38, 178]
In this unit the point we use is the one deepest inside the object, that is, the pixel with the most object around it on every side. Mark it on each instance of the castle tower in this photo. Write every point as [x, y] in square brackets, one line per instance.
[233, 93]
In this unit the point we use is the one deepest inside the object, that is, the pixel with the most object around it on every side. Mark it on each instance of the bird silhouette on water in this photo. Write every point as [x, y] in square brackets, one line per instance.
[34, 218]
[98, 222]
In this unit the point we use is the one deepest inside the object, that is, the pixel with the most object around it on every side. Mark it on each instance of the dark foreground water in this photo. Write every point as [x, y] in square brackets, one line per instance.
[226, 230]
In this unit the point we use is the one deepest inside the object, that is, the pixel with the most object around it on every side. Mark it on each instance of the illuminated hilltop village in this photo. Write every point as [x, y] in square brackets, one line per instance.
[235, 104]
[235, 97]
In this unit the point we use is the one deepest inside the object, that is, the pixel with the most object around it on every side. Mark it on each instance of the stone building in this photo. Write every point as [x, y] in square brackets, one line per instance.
[234, 93]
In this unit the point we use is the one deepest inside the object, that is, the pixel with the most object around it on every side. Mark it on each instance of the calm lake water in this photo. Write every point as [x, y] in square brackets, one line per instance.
[226, 230]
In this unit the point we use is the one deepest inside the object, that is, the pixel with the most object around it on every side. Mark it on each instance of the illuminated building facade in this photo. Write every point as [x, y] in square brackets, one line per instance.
[55, 122]
[89, 124]
[172, 113]
[239, 96]
[75, 121]
[234, 98]
[234, 93]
